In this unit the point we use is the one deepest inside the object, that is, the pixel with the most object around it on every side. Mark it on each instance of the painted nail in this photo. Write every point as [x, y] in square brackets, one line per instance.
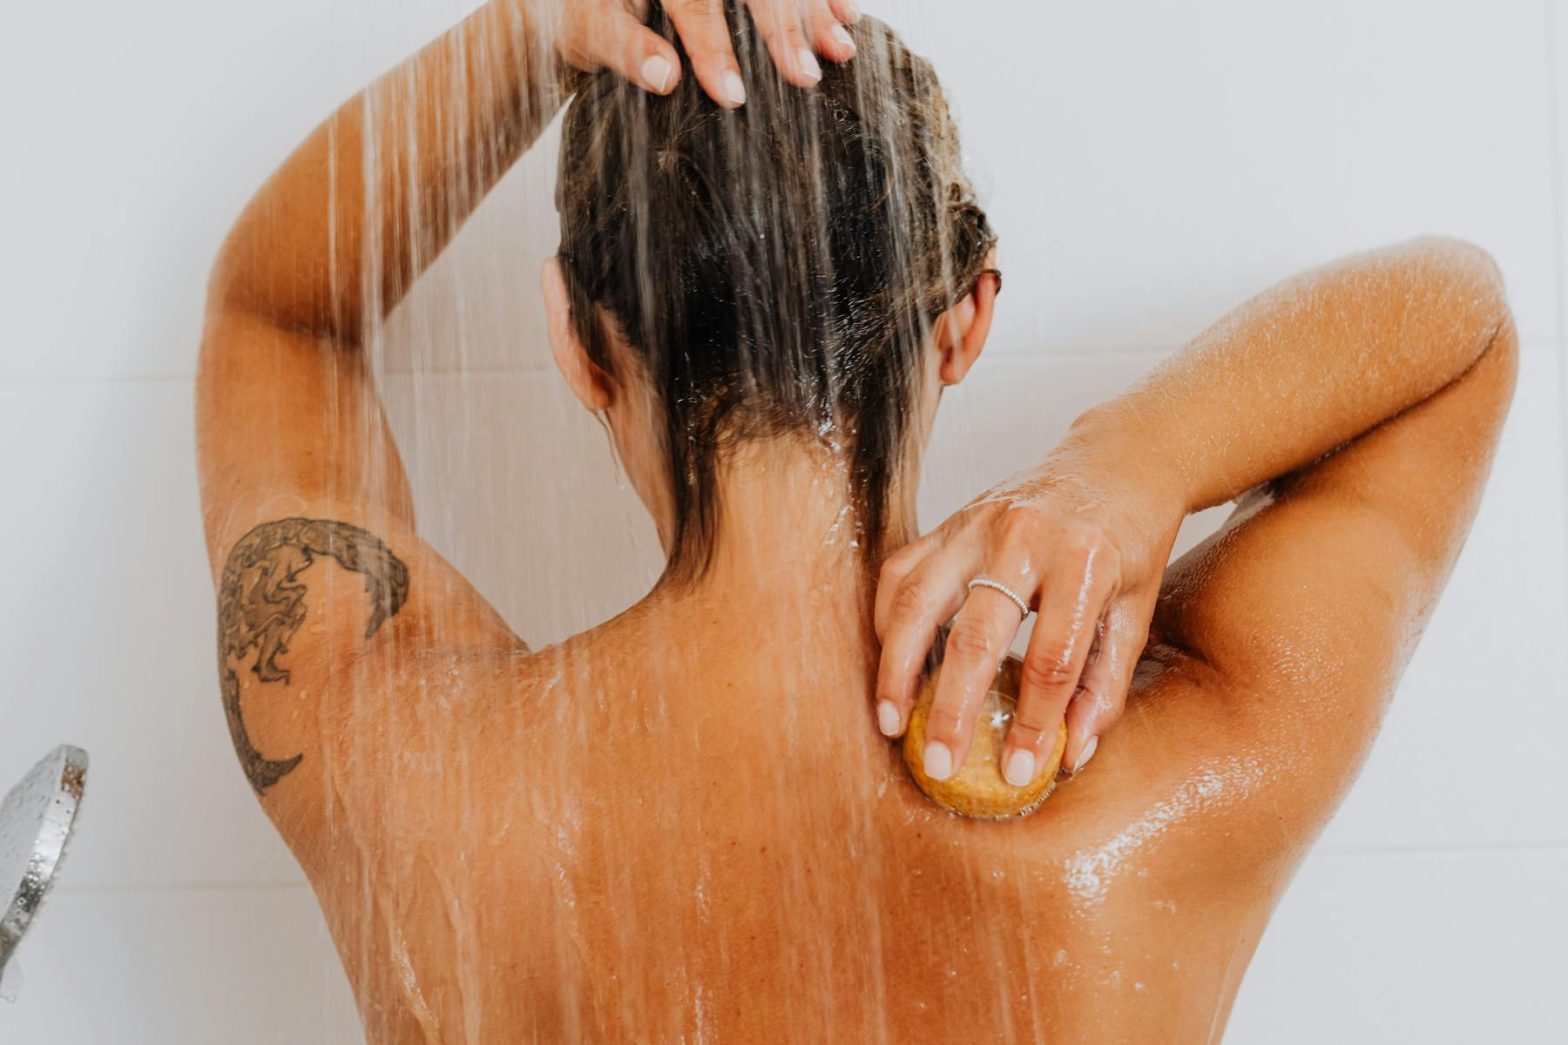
[808, 65]
[734, 90]
[938, 760]
[656, 73]
[888, 718]
[851, 12]
[1018, 770]
[1086, 754]
[841, 37]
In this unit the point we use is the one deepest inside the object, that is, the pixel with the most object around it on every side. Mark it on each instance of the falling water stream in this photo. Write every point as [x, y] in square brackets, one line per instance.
[683, 824]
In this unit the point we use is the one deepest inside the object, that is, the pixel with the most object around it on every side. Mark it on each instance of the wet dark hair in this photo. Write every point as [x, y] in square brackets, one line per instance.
[775, 270]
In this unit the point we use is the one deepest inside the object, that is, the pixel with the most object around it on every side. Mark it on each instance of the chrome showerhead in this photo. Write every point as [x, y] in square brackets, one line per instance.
[35, 826]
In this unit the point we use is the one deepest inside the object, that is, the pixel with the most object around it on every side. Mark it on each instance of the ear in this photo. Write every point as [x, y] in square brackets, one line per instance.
[961, 330]
[594, 387]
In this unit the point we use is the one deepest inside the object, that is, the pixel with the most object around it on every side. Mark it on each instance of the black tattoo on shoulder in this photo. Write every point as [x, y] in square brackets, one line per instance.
[261, 604]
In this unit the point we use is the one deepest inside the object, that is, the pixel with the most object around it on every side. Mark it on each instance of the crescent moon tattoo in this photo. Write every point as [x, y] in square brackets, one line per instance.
[261, 604]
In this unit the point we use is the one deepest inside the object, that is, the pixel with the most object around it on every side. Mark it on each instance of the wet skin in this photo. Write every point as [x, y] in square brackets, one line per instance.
[684, 824]
[667, 824]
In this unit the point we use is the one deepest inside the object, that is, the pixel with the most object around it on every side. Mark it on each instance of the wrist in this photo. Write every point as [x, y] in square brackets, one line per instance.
[1134, 460]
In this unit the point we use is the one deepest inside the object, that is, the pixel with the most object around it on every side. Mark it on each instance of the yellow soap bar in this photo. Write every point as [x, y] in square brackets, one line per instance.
[977, 789]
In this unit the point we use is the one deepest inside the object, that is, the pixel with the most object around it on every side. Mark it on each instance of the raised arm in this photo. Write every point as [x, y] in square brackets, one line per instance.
[307, 509]
[339, 232]
[305, 501]
[1367, 396]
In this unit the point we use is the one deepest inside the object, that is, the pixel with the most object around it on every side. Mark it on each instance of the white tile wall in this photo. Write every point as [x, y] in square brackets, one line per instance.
[1148, 165]
[1396, 948]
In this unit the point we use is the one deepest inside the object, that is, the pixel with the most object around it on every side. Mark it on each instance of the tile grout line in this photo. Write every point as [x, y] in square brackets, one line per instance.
[88, 381]
[1460, 849]
[998, 359]
[1559, 164]
[1500, 848]
[180, 887]
[1531, 343]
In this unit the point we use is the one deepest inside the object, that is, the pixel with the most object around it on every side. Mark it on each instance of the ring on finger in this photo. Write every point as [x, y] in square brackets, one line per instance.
[996, 585]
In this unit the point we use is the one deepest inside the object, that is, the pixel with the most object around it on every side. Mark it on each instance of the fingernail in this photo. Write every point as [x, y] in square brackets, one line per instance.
[809, 66]
[734, 90]
[888, 718]
[841, 36]
[1018, 770]
[656, 73]
[938, 760]
[851, 12]
[1086, 754]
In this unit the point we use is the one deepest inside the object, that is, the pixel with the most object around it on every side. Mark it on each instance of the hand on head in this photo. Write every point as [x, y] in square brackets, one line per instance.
[611, 34]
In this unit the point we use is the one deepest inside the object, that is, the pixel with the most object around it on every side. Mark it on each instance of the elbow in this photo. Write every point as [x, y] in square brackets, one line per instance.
[1462, 280]
[1468, 267]
[238, 277]
[224, 282]
[230, 279]
[1502, 353]
[1464, 254]
[1460, 254]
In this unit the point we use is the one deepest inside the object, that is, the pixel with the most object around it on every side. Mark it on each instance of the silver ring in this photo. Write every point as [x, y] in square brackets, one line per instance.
[987, 582]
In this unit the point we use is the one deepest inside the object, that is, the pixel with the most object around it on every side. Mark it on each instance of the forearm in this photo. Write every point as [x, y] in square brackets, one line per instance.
[1302, 369]
[337, 235]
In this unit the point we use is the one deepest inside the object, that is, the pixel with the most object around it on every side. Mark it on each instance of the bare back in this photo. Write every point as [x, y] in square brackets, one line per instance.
[624, 837]
[616, 838]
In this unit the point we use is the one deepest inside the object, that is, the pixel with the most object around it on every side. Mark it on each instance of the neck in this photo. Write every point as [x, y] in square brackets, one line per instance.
[788, 536]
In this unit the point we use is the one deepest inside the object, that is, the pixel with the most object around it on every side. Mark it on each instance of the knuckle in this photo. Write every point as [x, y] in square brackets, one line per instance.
[910, 601]
[943, 723]
[1032, 721]
[971, 639]
[890, 572]
[1018, 525]
[1031, 730]
[1048, 669]
[1080, 539]
[1088, 690]
[900, 561]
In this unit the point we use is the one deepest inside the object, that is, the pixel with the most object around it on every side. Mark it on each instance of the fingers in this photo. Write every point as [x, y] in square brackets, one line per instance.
[779, 23]
[827, 33]
[845, 11]
[1102, 693]
[794, 37]
[642, 56]
[1071, 608]
[706, 37]
[981, 634]
[913, 601]
[895, 569]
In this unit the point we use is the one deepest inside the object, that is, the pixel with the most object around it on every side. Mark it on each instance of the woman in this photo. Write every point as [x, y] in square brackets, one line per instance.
[687, 823]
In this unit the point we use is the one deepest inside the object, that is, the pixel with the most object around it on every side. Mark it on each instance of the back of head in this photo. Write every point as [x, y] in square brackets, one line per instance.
[771, 271]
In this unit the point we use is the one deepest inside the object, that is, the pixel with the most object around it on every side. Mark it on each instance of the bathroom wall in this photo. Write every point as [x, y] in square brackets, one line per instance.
[1148, 164]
